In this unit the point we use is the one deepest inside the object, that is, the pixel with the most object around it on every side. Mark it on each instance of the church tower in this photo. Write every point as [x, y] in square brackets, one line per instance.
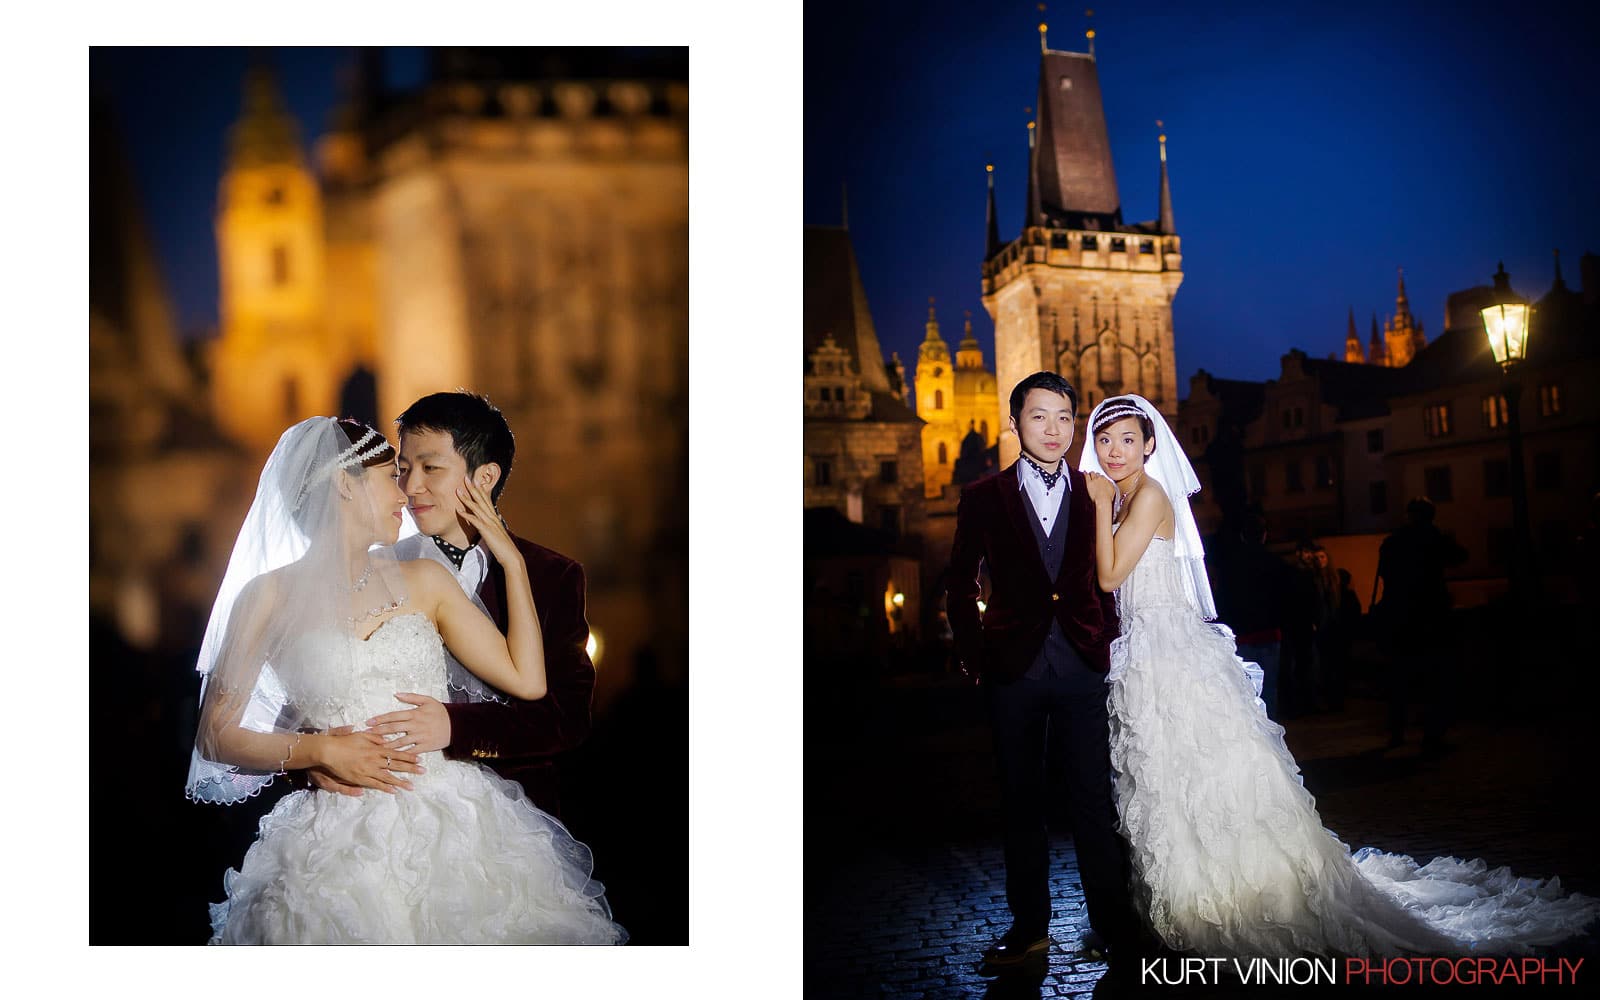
[1375, 350]
[1078, 291]
[936, 405]
[1352, 342]
[269, 364]
[1403, 332]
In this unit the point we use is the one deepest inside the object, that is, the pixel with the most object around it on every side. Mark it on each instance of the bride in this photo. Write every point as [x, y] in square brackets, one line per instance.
[315, 626]
[1228, 851]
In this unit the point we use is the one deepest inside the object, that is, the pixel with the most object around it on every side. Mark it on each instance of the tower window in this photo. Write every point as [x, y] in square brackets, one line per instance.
[824, 474]
[1119, 245]
[938, 372]
[280, 265]
[1091, 242]
[1058, 241]
[944, 454]
[888, 472]
[1147, 246]
[938, 399]
[275, 195]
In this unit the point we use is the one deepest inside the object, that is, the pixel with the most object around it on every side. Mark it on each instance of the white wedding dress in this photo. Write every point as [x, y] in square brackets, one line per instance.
[1228, 850]
[464, 858]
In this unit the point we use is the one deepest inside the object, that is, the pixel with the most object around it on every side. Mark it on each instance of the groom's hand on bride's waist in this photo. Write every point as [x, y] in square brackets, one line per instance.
[422, 729]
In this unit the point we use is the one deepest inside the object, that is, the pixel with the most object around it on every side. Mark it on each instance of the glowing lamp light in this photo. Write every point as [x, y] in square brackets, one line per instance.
[595, 646]
[899, 599]
[1507, 324]
[982, 607]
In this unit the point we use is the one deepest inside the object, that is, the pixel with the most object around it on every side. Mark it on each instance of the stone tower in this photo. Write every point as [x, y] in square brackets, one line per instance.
[936, 405]
[1079, 291]
[270, 364]
[953, 401]
[1403, 332]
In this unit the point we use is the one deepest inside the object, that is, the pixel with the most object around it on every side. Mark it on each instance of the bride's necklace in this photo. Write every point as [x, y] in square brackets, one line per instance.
[1123, 499]
[361, 584]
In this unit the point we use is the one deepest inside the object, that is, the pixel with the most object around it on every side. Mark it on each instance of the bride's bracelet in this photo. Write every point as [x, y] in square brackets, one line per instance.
[283, 765]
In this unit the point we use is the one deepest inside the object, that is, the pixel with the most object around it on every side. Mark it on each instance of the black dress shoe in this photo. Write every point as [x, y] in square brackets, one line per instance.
[1014, 948]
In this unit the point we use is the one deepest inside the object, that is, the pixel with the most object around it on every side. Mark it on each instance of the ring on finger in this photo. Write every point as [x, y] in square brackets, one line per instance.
[385, 762]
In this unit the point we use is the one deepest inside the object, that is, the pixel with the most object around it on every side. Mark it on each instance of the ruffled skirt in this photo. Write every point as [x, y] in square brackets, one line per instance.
[464, 858]
[1229, 852]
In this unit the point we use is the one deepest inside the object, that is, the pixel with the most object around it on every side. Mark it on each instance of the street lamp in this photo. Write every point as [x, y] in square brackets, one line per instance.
[1507, 322]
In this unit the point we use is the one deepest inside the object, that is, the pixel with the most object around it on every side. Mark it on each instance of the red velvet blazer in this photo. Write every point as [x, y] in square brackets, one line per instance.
[519, 740]
[992, 530]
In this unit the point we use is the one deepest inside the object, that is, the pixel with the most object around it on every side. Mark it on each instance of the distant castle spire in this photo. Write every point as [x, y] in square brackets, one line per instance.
[1404, 331]
[1352, 342]
[1165, 223]
[991, 245]
[1375, 352]
[968, 353]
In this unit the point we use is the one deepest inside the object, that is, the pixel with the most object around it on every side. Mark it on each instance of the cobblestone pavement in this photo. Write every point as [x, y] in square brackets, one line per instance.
[904, 881]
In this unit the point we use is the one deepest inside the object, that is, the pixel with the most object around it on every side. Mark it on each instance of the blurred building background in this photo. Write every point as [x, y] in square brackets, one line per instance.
[514, 222]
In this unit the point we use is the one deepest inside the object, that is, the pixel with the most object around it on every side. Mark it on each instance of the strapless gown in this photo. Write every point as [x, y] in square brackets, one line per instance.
[464, 858]
[1230, 855]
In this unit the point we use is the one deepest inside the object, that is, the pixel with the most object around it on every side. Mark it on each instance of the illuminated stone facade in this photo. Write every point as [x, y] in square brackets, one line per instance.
[1079, 291]
[954, 399]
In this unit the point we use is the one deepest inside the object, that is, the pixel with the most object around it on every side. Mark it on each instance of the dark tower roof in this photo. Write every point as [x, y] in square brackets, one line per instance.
[1075, 181]
[836, 303]
[265, 133]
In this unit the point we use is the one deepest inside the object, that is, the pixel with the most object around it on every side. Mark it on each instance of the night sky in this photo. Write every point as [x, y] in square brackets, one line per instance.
[173, 107]
[1312, 150]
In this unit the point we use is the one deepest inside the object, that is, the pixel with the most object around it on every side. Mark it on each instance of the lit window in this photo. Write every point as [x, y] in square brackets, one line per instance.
[944, 454]
[1436, 420]
[1495, 413]
[1549, 400]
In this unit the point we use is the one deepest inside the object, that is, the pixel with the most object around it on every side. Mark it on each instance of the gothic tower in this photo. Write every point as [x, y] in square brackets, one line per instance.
[1375, 349]
[1403, 332]
[1352, 342]
[1079, 291]
[269, 364]
[936, 405]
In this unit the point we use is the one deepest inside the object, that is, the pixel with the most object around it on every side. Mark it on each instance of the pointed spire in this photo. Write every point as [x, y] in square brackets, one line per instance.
[1165, 223]
[1375, 350]
[991, 243]
[1400, 300]
[968, 353]
[265, 133]
[1352, 341]
[932, 326]
[1030, 216]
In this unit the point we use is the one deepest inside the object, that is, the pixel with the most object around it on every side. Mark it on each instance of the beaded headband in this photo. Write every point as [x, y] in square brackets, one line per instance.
[1115, 412]
[352, 455]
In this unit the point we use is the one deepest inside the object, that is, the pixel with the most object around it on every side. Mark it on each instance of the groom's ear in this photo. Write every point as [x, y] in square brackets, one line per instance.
[486, 476]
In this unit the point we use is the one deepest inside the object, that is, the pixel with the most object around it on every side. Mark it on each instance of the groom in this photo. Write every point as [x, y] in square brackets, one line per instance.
[1041, 648]
[444, 438]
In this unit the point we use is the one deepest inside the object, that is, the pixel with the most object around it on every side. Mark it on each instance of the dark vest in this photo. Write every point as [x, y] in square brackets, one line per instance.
[1057, 658]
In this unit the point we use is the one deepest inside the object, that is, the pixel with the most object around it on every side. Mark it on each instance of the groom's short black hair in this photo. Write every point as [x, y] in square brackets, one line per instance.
[476, 427]
[1042, 380]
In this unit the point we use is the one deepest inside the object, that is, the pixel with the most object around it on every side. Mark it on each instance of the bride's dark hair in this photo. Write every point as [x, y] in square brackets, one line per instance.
[354, 430]
[1118, 407]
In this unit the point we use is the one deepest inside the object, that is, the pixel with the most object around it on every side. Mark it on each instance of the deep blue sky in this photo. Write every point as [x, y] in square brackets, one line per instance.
[1312, 149]
[174, 107]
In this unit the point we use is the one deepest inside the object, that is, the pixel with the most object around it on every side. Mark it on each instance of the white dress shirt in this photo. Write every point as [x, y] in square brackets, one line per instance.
[1046, 503]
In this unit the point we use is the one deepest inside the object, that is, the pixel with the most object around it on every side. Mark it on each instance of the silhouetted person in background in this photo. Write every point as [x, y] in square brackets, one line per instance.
[1251, 587]
[1341, 630]
[1413, 618]
[1303, 615]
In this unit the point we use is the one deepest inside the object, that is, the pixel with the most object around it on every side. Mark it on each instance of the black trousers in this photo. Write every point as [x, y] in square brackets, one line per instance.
[1059, 725]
